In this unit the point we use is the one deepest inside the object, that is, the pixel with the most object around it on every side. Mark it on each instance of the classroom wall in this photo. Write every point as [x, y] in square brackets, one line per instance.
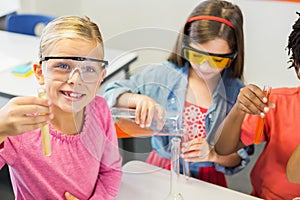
[150, 29]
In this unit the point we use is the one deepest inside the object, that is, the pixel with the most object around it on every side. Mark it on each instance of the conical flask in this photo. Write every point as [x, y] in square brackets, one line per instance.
[174, 193]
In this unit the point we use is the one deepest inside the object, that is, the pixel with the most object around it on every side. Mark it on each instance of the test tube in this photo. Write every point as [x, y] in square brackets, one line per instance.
[46, 140]
[261, 120]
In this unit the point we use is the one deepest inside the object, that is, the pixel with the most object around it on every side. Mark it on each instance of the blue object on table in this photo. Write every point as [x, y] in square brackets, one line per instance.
[30, 24]
[22, 70]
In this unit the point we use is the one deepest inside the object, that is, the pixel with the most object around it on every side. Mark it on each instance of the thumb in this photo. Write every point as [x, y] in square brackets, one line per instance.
[70, 196]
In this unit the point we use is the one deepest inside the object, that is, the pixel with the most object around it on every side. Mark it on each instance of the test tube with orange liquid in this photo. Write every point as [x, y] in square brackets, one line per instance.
[46, 140]
[261, 120]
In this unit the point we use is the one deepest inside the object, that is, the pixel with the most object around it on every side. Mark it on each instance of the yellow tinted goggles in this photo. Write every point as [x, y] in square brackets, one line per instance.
[196, 56]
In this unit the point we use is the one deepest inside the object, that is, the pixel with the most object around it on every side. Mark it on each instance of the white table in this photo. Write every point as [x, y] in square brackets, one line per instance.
[143, 181]
[18, 49]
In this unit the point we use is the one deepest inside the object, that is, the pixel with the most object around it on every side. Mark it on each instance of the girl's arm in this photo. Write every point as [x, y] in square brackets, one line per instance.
[198, 150]
[292, 169]
[145, 107]
[251, 100]
[229, 139]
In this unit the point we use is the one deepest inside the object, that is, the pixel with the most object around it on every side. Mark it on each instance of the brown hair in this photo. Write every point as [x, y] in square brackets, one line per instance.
[69, 27]
[202, 31]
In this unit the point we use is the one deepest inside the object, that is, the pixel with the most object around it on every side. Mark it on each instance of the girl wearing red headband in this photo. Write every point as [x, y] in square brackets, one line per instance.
[201, 79]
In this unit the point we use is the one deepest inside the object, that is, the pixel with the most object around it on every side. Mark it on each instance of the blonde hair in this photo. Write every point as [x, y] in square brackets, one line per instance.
[69, 27]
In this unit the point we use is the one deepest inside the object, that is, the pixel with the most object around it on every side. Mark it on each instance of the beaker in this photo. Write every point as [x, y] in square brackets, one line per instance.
[124, 119]
[174, 193]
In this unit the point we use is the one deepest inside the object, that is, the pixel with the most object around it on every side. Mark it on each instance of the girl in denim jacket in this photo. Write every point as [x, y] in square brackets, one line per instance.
[201, 79]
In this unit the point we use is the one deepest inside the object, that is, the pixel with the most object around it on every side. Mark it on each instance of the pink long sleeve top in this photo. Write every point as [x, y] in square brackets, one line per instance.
[88, 164]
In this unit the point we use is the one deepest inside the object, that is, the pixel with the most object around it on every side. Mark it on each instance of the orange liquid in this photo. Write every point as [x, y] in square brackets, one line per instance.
[259, 130]
[127, 129]
[260, 122]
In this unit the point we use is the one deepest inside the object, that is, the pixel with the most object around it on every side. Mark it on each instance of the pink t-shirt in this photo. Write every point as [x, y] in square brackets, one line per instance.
[282, 131]
[88, 165]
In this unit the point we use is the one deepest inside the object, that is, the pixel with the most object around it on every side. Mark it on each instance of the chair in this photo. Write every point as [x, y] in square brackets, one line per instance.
[30, 24]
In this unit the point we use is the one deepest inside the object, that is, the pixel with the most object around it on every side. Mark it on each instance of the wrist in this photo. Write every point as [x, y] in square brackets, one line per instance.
[126, 100]
[132, 100]
[238, 112]
[213, 154]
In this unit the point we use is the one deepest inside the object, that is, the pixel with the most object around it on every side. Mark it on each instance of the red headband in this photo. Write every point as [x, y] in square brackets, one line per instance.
[213, 18]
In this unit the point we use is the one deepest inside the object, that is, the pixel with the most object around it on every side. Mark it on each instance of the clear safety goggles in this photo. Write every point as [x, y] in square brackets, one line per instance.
[62, 68]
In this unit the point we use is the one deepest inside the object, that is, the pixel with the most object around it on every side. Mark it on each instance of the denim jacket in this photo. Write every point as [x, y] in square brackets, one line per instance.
[167, 83]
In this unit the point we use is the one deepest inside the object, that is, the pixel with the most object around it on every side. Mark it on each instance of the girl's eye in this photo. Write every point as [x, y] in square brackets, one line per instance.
[63, 66]
[218, 59]
[90, 69]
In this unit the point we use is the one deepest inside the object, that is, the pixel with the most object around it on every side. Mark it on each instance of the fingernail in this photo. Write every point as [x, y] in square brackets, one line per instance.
[49, 102]
[265, 99]
[51, 116]
[142, 125]
[266, 109]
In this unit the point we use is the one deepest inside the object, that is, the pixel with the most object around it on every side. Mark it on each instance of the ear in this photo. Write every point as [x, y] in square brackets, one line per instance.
[38, 71]
[102, 76]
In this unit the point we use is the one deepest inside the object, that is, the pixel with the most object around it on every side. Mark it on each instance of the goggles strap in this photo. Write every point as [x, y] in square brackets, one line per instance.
[212, 18]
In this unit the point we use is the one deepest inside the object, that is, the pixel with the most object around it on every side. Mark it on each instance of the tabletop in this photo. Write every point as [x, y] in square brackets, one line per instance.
[17, 49]
[144, 181]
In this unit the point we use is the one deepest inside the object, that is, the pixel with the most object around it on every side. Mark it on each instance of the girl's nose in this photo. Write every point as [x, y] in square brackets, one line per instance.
[75, 76]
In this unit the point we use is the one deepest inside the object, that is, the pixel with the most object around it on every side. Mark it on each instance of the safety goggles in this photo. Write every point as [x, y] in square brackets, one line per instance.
[196, 56]
[62, 68]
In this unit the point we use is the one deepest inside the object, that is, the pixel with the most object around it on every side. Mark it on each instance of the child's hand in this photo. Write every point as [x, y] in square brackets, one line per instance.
[146, 110]
[23, 114]
[197, 150]
[70, 196]
[252, 100]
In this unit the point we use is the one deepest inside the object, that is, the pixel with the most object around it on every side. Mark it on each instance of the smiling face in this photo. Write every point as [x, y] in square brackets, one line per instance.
[216, 46]
[74, 94]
